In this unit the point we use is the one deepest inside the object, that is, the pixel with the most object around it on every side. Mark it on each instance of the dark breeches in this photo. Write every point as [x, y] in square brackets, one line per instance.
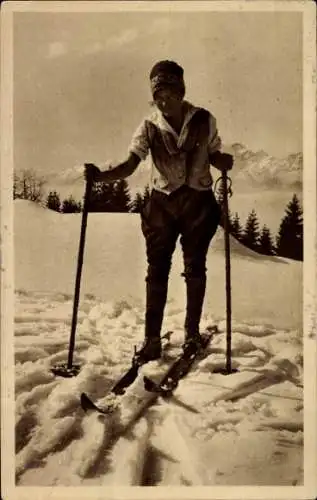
[194, 216]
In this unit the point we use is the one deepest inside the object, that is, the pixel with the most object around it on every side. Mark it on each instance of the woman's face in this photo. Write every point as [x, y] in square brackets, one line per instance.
[168, 102]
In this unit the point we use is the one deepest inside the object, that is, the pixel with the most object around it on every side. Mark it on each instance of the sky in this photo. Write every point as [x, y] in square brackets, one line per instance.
[81, 88]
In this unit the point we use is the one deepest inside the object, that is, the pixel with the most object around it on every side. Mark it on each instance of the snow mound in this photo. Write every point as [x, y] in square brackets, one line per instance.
[115, 267]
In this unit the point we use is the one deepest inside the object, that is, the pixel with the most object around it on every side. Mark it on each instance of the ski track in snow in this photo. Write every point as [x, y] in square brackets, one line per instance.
[245, 428]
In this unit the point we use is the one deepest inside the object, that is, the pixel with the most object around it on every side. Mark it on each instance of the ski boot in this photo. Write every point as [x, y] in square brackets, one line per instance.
[151, 349]
[193, 342]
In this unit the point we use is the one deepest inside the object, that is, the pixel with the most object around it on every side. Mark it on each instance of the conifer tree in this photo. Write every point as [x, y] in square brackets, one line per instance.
[251, 233]
[112, 197]
[289, 241]
[137, 203]
[236, 228]
[95, 197]
[121, 198]
[53, 201]
[101, 197]
[70, 205]
[141, 200]
[146, 194]
[266, 245]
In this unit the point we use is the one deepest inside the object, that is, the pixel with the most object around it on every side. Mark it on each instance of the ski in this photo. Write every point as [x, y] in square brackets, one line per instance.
[179, 368]
[88, 405]
[122, 384]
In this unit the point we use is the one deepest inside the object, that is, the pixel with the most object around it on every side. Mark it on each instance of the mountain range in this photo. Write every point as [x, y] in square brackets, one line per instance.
[261, 169]
[251, 170]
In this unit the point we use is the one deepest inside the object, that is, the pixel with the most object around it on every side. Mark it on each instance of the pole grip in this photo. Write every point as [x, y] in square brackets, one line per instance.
[89, 183]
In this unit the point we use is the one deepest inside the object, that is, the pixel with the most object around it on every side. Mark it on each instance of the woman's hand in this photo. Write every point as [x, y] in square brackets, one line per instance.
[91, 171]
[221, 161]
[225, 162]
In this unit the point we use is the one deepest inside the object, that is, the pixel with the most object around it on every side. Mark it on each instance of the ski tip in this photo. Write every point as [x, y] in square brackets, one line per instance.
[86, 403]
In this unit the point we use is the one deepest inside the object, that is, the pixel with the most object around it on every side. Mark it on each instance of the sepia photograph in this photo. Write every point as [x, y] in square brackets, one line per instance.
[158, 242]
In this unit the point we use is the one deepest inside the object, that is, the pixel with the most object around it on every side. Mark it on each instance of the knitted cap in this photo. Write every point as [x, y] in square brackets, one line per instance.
[167, 74]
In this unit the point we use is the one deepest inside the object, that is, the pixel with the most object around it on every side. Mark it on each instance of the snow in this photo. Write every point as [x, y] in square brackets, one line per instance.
[115, 266]
[243, 429]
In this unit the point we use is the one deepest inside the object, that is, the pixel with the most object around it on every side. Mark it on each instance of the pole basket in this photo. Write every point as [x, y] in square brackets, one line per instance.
[225, 371]
[63, 370]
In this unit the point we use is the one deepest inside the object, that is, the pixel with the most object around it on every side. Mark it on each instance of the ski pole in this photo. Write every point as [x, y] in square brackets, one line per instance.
[70, 370]
[228, 267]
[80, 259]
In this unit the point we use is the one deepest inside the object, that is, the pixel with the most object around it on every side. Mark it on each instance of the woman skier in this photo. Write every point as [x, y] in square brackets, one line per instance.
[183, 141]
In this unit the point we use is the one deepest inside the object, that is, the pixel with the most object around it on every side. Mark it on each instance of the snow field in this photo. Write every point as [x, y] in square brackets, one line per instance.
[264, 289]
[170, 439]
[245, 428]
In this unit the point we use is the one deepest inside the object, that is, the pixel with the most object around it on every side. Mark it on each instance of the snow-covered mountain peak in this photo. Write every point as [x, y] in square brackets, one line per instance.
[261, 169]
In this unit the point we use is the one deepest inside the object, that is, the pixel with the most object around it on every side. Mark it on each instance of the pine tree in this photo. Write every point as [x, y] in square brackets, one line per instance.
[251, 233]
[53, 201]
[266, 245]
[112, 197]
[121, 199]
[146, 194]
[101, 197]
[94, 198]
[137, 203]
[236, 228]
[70, 205]
[141, 200]
[289, 241]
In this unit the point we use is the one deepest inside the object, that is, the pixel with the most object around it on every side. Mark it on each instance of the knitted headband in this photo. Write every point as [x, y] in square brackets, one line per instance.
[167, 74]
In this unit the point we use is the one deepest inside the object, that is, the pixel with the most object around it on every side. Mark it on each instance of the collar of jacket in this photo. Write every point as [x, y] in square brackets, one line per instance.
[157, 118]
